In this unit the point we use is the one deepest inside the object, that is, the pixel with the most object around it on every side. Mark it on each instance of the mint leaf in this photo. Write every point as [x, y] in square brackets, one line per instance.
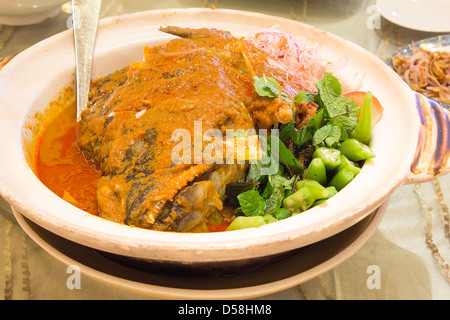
[256, 168]
[287, 131]
[329, 134]
[302, 96]
[252, 204]
[282, 213]
[302, 136]
[334, 136]
[254, 172]
[335, 105]
[277, 188]
[285, 97]
[232, 190]
[273, 202]
[346, 111]
[266, 86]
[329, 87]
[316, 120]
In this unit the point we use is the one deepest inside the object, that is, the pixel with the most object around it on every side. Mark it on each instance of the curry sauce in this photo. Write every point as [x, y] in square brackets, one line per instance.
[62, 167]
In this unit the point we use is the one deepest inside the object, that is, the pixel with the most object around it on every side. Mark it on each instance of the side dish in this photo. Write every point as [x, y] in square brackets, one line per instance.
[427, 72]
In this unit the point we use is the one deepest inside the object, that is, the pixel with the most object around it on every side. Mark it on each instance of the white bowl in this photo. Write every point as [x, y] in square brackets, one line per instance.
[411, 142]
[13, 12]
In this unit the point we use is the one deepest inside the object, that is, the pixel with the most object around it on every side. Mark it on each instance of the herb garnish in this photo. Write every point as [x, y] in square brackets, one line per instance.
[295, 188]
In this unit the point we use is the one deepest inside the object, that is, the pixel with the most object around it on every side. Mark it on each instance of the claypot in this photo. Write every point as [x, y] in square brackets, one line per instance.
[411, 142]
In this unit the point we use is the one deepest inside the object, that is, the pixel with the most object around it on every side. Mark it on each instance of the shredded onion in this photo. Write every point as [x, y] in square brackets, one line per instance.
[292, 53]
[425, 71]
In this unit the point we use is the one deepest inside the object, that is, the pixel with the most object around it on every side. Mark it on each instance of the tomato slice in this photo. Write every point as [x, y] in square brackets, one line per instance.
[377, 108]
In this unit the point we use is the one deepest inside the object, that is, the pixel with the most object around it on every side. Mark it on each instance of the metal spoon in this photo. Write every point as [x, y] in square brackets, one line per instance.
[85, 22]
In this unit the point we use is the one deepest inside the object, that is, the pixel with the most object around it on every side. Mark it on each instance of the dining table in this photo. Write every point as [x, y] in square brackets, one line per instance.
[407, 255]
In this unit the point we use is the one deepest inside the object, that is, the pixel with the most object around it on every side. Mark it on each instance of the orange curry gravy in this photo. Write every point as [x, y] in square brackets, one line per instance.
[62, 167]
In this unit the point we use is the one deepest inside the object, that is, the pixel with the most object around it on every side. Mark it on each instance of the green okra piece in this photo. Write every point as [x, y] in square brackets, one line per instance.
[243, 222]
[299, 201]
[316, 171]
[269, 218]
[363, 129]
[331, 192]
[331, 157]
[317, 190]
[355, 150]
[345, 163]
[341, 179]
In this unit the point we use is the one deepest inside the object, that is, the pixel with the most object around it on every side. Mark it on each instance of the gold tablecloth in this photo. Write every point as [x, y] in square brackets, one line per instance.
[410, 247]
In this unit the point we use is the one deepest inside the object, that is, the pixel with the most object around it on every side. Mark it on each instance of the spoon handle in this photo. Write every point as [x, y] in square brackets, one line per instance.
[85, 22]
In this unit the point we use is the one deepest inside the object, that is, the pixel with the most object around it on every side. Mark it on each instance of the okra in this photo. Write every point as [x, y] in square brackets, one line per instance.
[316, 171]
[299, 201]
[331, 192]
[331, 157]
[318, 191]
[341, 179]
[363, 129]
[345, 163]
[355, 150]
[268, 218]
[243, 222]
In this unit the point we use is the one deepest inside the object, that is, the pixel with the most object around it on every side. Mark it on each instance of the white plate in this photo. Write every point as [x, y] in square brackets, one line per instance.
[25, 12]
[303, 265]
[423, 15]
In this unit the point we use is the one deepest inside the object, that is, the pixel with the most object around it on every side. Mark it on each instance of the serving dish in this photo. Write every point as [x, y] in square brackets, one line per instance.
[301, 266]
[439, 43]
[411, 142]
[422, 15]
